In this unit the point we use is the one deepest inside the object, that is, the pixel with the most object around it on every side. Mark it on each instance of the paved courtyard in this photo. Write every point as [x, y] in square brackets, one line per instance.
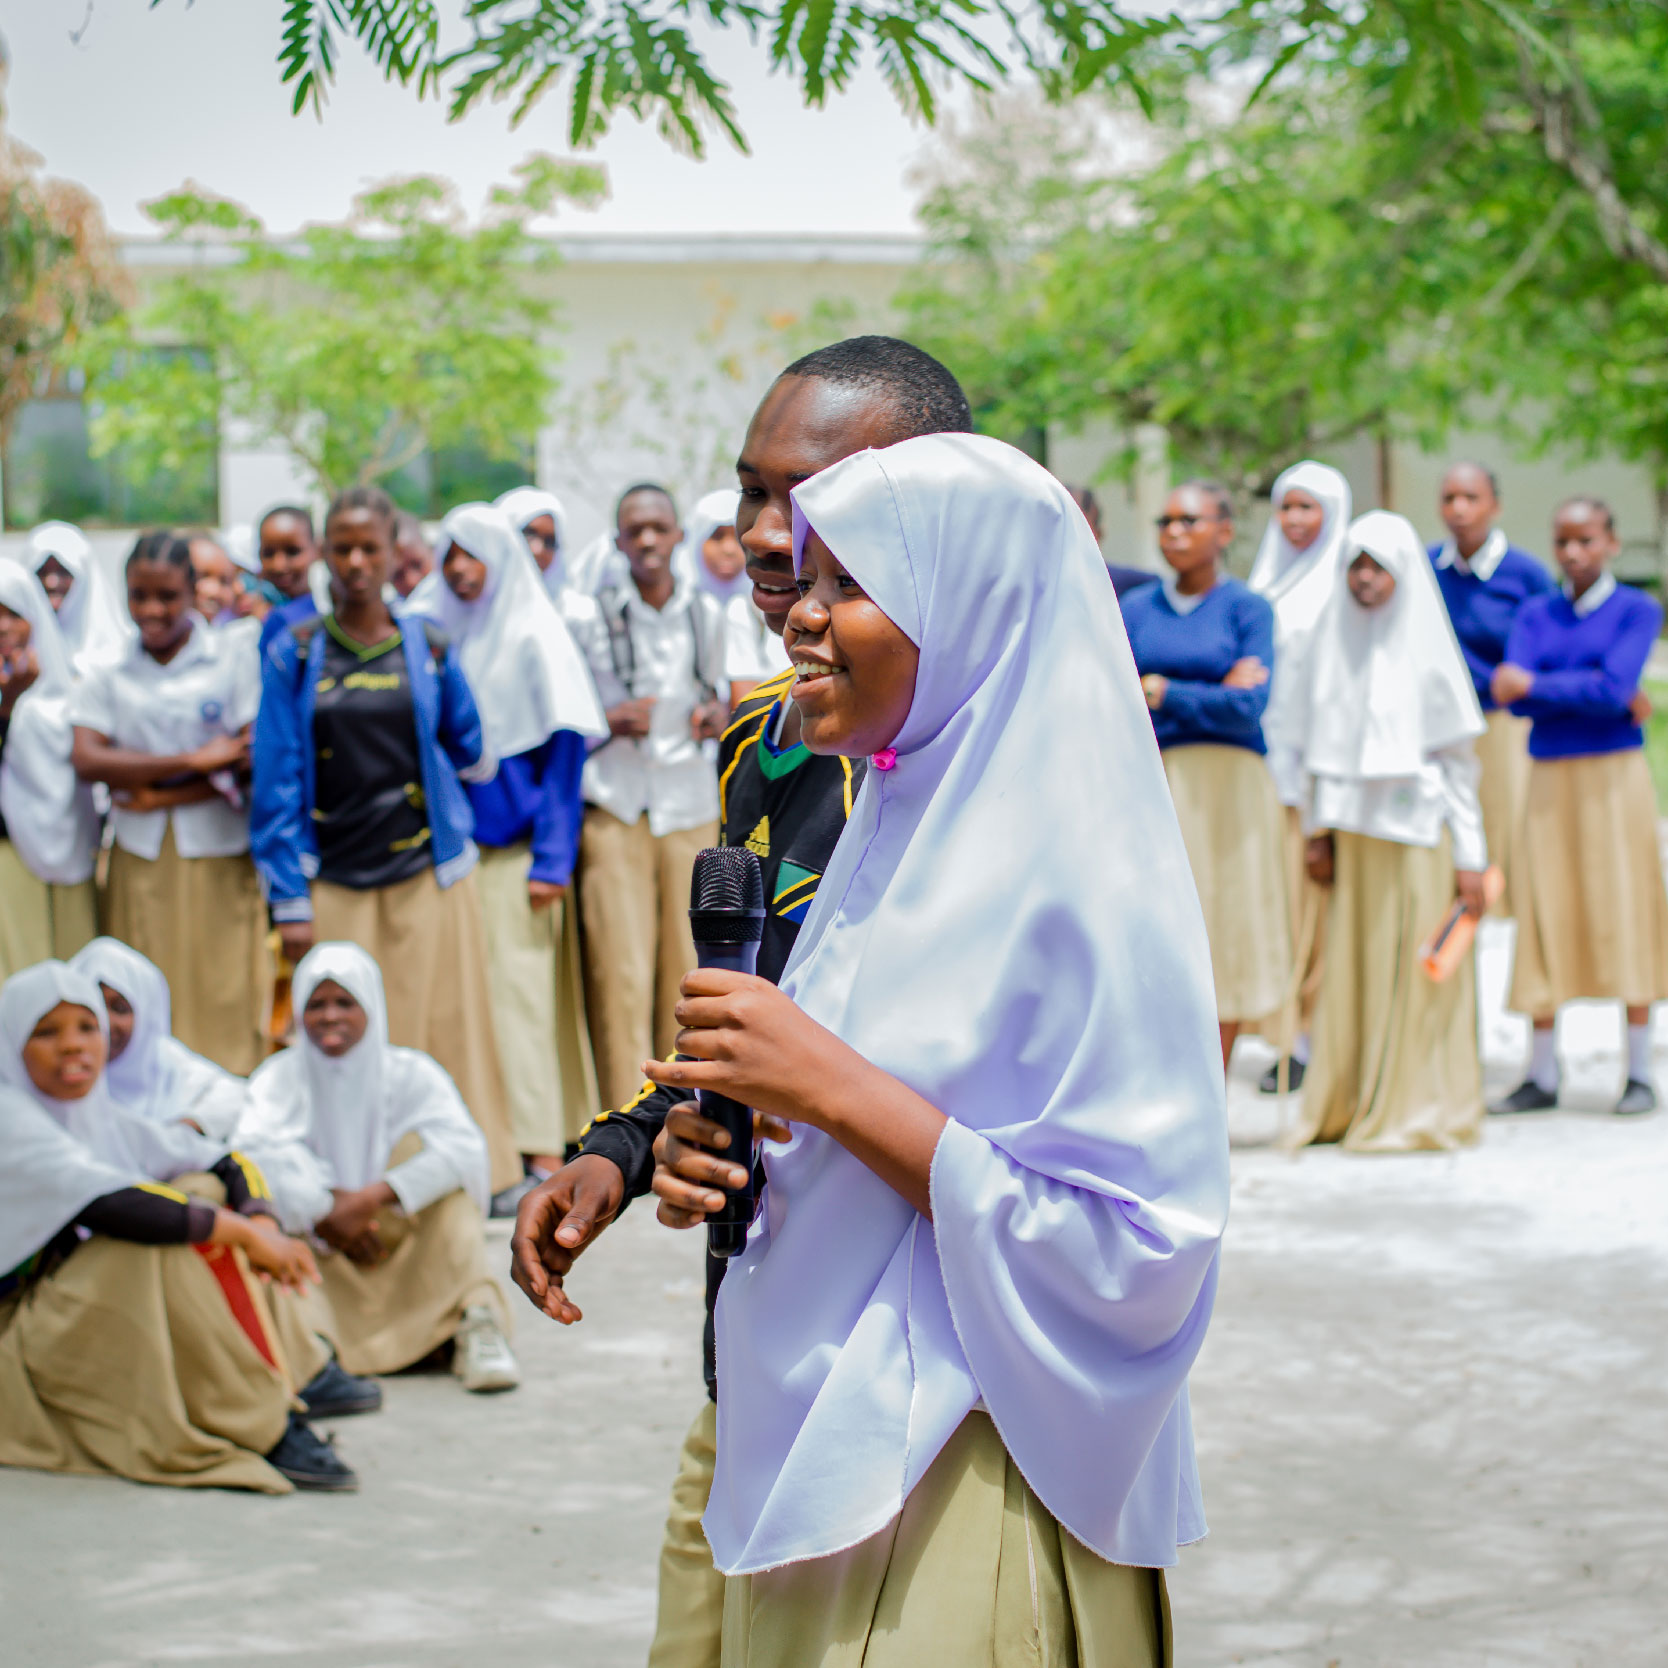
[1432, 1418]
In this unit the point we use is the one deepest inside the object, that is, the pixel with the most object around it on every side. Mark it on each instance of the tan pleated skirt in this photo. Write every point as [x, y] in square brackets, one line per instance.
[1503, 789]
[538, 1005]
[129, 1359]
[1592, 913]
[1394, 1064]
[201, 920]
[689, 1616]
[1231, 823]
[430, 942]
[974, 1573]
[39, 920]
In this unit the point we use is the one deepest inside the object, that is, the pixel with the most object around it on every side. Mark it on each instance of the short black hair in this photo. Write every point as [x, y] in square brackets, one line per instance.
[1213, 490]
[368, 498]
[1084, 498]
[299, 511]
[1482, 469]
[408, 526]
[926, 397]
[644, 486]
[161, 545]
[1598, 505]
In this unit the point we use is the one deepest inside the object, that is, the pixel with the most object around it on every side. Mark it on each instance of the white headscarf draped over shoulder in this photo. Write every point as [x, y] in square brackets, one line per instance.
[314, 1123]
[1009, 926]
[156, 1077]
[527, 674]
[94, 619]
[60, 1155]
[49, 811]
[527, 503]
[1387, 686]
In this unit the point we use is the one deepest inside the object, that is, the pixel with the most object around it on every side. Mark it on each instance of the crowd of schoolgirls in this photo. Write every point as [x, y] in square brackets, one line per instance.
[1370, 739]
[424, 810]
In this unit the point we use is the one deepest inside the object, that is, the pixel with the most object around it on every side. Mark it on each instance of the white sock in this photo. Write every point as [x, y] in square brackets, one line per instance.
[1543, 1061]
[1639, 1052]
[1300, 1048]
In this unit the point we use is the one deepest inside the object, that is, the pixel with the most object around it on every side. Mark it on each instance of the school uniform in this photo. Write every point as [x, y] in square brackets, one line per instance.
[128, 1344]
[360, 823]
[1389, 731]
[181, 887]
[49, 827]
[1212, 741]
[93, 616]
[651, 804]
[1484, 594]
[1593, 915]
[539, 710]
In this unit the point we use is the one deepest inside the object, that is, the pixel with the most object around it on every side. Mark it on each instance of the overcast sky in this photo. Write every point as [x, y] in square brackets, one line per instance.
[146, 99]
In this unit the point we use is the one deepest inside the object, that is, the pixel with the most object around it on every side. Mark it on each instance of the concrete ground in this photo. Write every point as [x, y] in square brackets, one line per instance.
[1431, 1413]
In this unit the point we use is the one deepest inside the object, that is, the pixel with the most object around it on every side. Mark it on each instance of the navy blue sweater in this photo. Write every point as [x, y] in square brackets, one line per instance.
[1195, 652]
[535, 797]
[1586, 671]
[1483, 610]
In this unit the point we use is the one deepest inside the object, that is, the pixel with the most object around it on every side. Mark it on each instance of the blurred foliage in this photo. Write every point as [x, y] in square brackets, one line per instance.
[361, 347]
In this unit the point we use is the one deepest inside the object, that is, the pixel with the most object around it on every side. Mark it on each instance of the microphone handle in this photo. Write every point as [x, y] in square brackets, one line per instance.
[727, 1231]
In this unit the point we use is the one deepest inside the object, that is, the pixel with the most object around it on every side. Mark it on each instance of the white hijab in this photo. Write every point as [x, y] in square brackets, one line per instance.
[527, 503]
[311, 1121]
[49, 810]
[1009, 926]
[94, 619]
[60, 1155]
[717, 509]
[1387, 686]
[239, 544]
[156, 1077]
[527, 674]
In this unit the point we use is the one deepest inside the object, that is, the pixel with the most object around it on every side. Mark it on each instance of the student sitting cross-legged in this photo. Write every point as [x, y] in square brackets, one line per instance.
[370, 1148]
[134, 1338]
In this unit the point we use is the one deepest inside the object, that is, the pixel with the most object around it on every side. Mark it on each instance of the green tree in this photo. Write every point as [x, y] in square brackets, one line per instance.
[358, 346]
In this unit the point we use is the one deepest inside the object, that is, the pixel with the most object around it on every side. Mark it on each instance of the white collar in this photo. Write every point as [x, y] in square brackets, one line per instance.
[199, 645]
[1179, 602]
[1594, 597]
[1482, 564]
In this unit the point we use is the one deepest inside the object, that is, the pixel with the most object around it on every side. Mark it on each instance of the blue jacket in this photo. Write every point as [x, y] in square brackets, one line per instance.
[535, 797]
[1482, 611]
[293, 612]
[449, 746]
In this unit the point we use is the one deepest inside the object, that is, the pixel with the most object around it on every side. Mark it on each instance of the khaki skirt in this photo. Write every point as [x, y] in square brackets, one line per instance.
[39, 920]
[201, 920]
[538, 1005]
[430, 942]
[1394, 1064]
[1592, 914]
[154, 1362]
[1231, 823]
[974, 1573]
[1502, 789]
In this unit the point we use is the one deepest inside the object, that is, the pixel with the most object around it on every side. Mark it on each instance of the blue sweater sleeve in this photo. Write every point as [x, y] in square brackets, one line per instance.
[276, 808]
[1601, 691]
[460, 723]
[560, 809]
[1213, 705]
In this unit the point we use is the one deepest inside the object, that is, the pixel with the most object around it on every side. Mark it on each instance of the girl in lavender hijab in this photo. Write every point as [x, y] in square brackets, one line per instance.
[952, 1360]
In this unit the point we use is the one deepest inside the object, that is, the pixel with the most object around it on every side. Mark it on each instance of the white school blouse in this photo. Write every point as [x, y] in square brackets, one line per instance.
[211, 688]
[1408, 810]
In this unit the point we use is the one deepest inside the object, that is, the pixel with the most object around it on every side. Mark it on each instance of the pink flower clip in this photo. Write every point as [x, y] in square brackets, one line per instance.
[885, 759]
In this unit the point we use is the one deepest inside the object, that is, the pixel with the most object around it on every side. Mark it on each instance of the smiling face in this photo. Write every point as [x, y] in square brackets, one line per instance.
[1584, 543]
[359, 547]
[1301, 518]
[540, 534]
[215, 587]
[14, 634]
[160, 598]
[56, 580]
[288, 549]
[335, 1023]
[802, 426]
[1370, 584]
[1193, 533]
[65, 1052]
[120, 1012]
[854, 670]
[413, 561]
[465, 575]
[648, 533]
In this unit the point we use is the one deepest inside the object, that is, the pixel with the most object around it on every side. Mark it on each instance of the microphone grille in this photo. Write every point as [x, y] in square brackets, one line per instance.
[726, 878]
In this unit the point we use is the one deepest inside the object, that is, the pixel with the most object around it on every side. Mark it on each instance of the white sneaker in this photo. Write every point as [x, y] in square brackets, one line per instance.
[482, 1357]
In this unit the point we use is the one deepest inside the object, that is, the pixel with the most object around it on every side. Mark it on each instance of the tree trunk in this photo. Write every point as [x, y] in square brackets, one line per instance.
[1662, 529]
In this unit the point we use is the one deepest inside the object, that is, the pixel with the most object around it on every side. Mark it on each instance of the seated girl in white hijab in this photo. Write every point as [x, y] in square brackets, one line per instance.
[49, 827]
[370, 1148]
[133, 1338]
[151, 1073]
[1388, 726]
[952, 1360]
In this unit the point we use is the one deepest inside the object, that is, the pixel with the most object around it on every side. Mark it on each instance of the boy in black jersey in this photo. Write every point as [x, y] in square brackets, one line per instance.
[789, 807]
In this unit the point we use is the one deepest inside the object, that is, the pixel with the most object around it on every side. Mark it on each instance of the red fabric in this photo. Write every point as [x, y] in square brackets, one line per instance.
[234, 1287]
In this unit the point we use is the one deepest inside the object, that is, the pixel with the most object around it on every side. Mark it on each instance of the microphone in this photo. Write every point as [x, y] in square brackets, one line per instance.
[726, 918]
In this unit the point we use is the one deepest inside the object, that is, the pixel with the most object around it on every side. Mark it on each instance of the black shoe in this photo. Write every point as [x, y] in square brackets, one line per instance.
[335, 1393]
[1528, 1096]
[506, 1204]
[309, 1461]
[1269, 1083]
[1637, 1097]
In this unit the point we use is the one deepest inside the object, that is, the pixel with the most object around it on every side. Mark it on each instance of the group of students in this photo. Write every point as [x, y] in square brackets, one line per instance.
[1366, 732]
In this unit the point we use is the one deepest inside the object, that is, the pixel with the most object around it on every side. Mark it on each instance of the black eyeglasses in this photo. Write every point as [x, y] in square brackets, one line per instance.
[1187, 521]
